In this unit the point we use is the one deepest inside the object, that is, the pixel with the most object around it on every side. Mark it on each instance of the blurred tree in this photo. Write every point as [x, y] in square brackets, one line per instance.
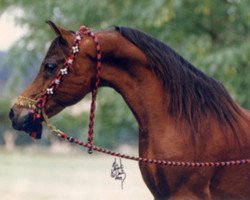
[213, 35]
[4, 121]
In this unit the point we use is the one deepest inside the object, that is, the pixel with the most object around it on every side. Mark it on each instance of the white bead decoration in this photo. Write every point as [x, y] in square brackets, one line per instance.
[57, 81]
[78, 37]
[50, 91]
[75, 49]
[70, 61]
[64, 71]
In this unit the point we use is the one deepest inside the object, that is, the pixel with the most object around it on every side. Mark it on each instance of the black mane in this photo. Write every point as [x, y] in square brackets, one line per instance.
[193, 94]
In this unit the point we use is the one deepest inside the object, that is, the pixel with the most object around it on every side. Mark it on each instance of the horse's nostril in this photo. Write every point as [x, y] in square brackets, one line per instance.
[11, 114]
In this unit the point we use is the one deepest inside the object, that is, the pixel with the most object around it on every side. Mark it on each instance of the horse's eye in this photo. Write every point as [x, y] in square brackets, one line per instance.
[49, 67]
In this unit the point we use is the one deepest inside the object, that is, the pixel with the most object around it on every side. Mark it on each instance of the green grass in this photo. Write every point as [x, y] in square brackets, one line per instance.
[27, 175]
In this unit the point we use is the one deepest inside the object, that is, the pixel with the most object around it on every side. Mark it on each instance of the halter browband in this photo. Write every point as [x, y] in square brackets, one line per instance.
[37, 105]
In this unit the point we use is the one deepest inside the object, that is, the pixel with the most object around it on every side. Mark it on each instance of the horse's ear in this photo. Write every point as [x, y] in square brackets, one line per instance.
[57, 29]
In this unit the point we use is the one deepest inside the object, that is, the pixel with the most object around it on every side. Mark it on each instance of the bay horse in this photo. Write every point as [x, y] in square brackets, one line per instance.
[182, 113]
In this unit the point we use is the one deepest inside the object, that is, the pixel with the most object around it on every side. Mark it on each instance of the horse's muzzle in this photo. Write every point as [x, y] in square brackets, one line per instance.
[22, 120]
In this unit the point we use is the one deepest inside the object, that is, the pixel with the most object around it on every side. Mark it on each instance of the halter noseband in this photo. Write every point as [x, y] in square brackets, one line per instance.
[37, 105]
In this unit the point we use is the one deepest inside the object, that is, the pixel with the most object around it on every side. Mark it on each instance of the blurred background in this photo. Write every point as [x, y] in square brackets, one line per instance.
[213, 35]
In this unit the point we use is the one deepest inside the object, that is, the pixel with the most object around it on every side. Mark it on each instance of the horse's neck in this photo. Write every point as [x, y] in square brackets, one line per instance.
[124, 69]
[141, 91]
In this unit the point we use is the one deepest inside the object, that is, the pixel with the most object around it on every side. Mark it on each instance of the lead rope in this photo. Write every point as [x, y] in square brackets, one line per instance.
[93, 147]
[94, 92]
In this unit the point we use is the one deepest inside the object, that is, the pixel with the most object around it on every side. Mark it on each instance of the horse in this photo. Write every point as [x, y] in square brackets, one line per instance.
[182, 113]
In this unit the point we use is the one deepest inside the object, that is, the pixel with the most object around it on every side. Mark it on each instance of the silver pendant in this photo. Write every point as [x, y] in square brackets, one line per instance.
[117, 172]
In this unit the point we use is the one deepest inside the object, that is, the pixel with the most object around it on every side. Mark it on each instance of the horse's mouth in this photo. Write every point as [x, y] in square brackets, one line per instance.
[24, 120]
[35, 130]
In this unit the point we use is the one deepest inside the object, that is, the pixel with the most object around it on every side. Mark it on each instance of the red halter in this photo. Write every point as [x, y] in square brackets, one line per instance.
[54, 84]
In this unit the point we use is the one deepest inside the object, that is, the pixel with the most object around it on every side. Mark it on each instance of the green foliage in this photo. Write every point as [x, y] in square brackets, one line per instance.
[4, 112]
[76, 125]
[115, 123]
[4, 120]
[213, 35]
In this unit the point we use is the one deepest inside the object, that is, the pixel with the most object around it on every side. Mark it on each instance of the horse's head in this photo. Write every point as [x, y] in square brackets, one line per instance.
[75, 82]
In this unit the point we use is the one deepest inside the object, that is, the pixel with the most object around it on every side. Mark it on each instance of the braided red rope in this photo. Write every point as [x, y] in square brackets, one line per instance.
[153, 161]
[94, 93]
